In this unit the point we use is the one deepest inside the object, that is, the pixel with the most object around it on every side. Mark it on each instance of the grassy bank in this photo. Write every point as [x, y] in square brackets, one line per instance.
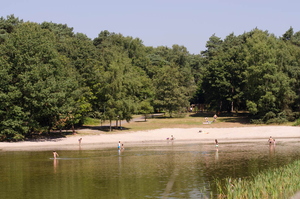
[188, 120]
[275, 183]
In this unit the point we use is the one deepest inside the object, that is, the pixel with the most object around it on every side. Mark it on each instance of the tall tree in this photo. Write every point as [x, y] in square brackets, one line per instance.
[40, 84]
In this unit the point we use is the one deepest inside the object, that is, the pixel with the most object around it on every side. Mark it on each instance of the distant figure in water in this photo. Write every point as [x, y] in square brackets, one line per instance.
[79, 140]
[172, 138]
[216, 142]
[55, 154]
[274, 142]
[271, 140]
[122, 148]
[119, 145]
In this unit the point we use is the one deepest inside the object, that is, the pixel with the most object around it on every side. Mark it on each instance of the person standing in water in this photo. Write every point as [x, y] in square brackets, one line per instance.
[55, 154]
[217, 143]
[271, 140]
[172, 138]
[119, 145]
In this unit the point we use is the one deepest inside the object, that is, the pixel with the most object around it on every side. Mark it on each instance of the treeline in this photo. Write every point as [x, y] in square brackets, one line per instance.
[51, 78]
[254, 71]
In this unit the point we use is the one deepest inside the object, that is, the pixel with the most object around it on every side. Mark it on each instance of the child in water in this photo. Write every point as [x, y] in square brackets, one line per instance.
[55, 154]
[119, 144]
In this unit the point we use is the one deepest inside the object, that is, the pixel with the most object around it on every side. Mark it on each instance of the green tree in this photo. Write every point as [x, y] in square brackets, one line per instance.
[41, 85]
[173, 89]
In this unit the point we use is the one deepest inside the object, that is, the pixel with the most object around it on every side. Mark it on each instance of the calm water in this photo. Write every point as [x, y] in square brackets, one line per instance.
[171, 170]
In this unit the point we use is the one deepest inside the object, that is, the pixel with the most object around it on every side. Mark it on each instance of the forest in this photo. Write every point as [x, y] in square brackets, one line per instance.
[52, 78]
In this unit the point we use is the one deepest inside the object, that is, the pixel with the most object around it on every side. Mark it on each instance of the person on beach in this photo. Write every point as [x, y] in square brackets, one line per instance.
[215, 118]
[119, 145]
[271, 140]
[55, 154]
[217, 143]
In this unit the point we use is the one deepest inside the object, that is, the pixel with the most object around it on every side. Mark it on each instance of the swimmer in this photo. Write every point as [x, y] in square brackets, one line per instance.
[119, 144]
[216, 142]
[271, 140]
[55, 154]
[122, 147]
[79, 140]
[172, 138]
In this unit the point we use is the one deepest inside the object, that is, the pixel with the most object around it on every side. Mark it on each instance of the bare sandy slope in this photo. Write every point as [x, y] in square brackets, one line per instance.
[238, 134]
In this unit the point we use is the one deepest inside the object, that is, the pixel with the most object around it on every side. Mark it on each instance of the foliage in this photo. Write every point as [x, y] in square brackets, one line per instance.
[255, 71]
[39, 85]
[52, 78]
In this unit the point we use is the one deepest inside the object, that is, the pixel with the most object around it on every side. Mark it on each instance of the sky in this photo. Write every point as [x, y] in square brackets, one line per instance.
[162, 22]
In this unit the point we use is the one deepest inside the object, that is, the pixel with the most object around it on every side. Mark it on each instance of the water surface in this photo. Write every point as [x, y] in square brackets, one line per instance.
[168, 170]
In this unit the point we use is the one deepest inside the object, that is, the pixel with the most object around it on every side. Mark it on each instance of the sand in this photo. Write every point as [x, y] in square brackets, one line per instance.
[130, 139]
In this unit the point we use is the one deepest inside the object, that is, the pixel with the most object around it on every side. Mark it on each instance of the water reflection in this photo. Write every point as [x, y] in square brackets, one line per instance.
[272, 150]
[172, 170]
[55, 163]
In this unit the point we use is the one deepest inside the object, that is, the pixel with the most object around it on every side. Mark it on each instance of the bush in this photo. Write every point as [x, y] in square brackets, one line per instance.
[256, 121]
[179, 115]
[297, 123]
[277, 120]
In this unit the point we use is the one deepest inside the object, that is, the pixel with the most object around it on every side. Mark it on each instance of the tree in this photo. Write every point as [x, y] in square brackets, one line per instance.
[173, 90]
[41, 86]
[145, 108]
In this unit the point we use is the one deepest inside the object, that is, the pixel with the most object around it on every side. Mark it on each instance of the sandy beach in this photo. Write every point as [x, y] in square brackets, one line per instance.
[130, 139]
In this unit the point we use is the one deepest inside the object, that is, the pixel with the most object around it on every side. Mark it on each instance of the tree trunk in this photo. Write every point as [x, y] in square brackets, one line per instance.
[145, 117]
[73, 130]
[110, 125]
[232, 91]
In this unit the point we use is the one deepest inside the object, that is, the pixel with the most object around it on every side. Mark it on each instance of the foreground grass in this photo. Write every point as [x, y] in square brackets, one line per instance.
[275, 183]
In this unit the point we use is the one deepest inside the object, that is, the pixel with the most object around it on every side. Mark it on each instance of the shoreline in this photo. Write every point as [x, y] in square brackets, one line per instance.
[158, 137]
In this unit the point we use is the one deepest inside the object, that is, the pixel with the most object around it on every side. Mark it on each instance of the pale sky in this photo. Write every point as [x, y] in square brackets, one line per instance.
[162, 22]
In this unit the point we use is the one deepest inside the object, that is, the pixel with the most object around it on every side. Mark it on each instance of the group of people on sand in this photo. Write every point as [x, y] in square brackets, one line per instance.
[208, 122]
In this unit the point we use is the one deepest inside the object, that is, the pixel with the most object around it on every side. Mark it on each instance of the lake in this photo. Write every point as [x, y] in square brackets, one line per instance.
[163, 170]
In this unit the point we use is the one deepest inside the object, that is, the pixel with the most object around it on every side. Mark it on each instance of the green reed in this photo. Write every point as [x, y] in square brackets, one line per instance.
[282, 182]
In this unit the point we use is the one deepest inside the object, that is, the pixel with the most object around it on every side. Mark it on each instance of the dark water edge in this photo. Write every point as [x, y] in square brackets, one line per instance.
[166, 170]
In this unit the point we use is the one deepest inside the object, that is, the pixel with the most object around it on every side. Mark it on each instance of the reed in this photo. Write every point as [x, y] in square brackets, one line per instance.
[282, 182]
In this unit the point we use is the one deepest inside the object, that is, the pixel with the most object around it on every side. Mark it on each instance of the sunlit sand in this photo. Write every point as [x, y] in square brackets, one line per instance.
[208, 135]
